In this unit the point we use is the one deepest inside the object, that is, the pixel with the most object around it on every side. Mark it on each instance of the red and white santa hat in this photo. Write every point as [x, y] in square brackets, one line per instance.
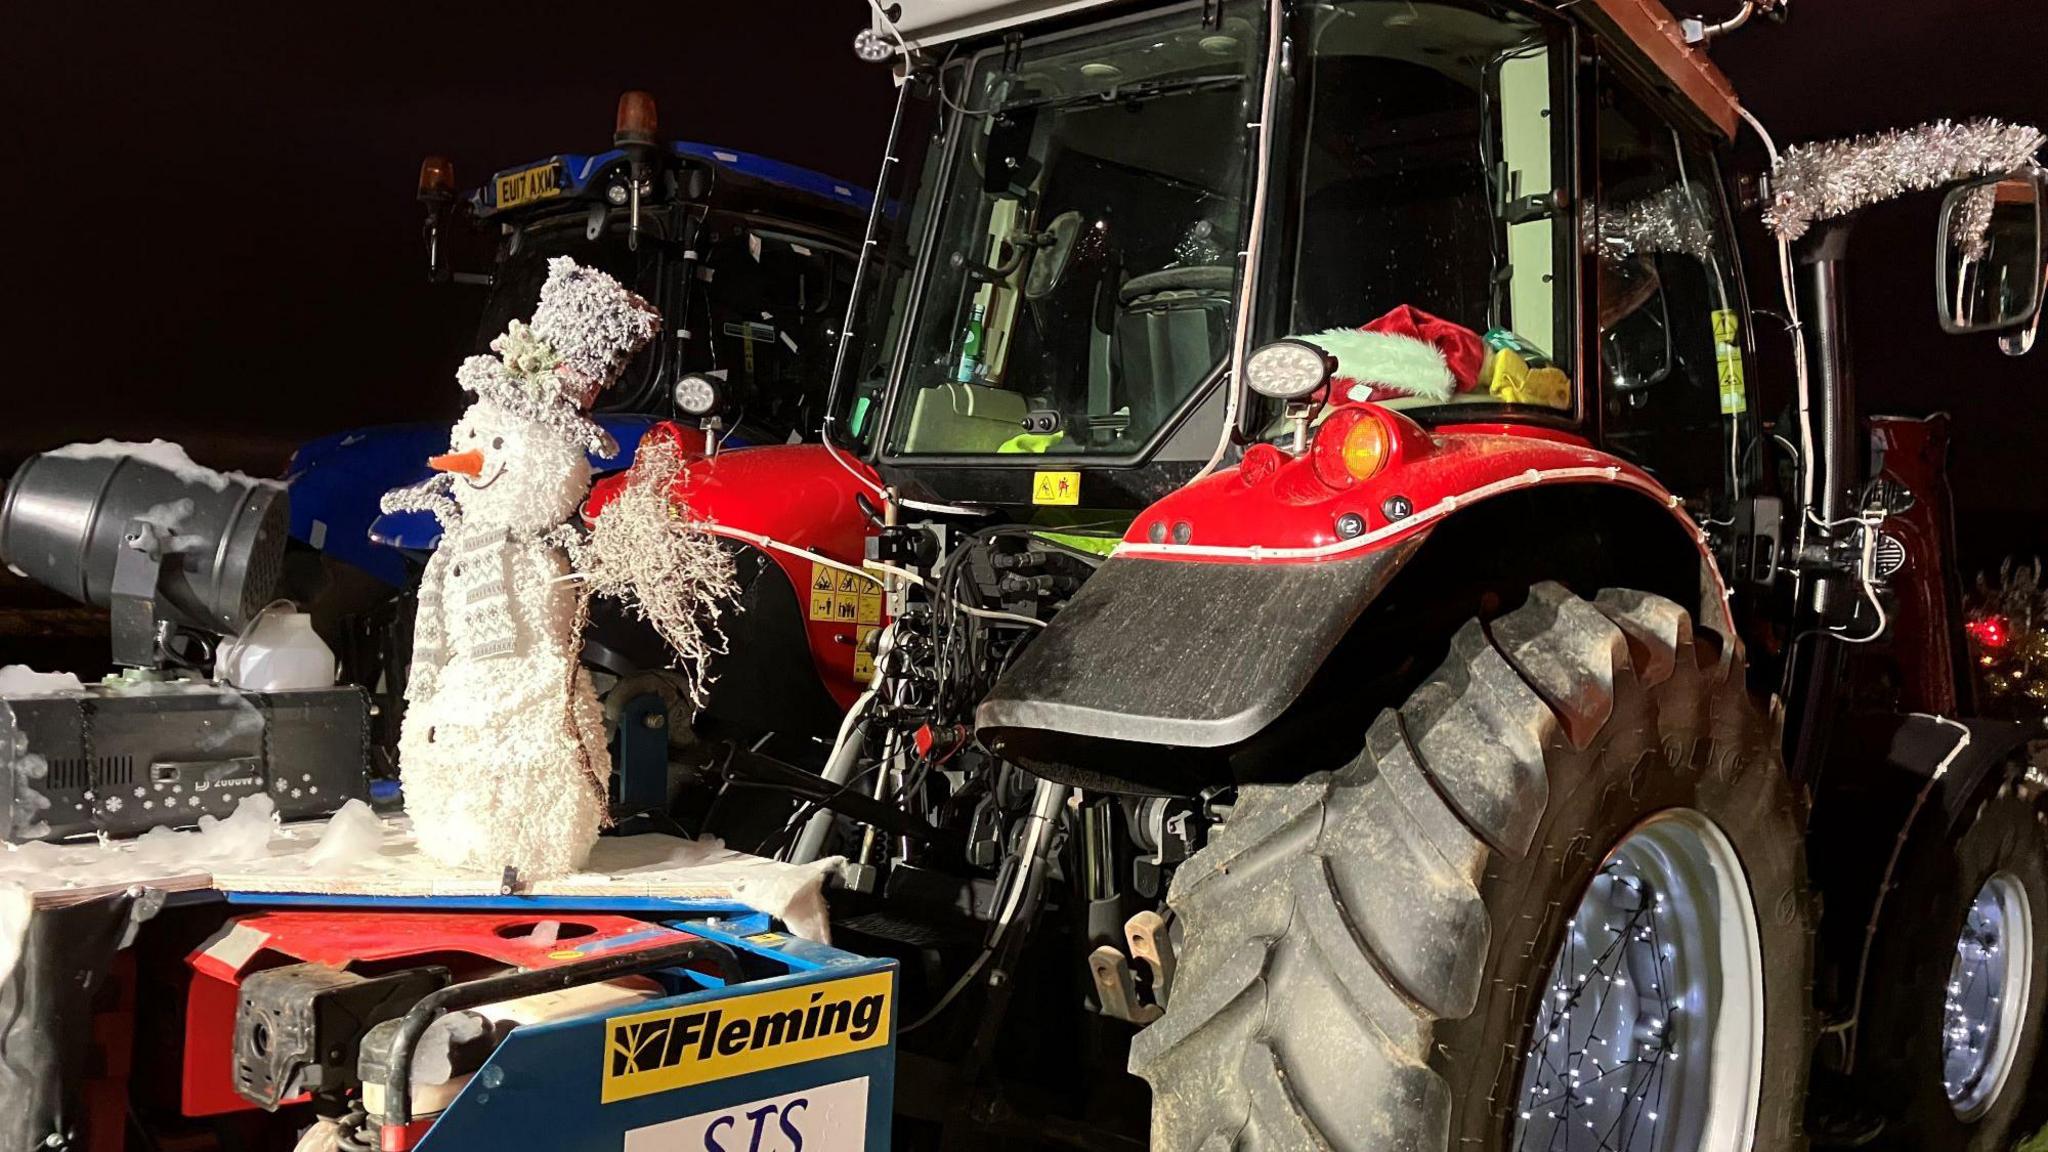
[1404, 354]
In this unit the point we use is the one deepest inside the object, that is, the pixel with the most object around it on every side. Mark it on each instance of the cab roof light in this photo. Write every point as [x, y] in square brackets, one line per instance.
[437, 179]
[637, 122]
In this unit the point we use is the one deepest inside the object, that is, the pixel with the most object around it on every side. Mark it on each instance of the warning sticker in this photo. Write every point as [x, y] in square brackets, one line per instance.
[651, 1052]
[1055, 487]
[844, 597]
[1728, 362]
[864, 652]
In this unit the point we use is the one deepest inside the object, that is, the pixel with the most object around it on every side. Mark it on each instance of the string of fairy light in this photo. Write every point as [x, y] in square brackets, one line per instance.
[1970, 1007]
[1574, 1098]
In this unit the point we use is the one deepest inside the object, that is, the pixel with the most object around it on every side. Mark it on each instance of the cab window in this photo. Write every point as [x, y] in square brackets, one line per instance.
[1425, 177]
[1668, 310]
[768, 313]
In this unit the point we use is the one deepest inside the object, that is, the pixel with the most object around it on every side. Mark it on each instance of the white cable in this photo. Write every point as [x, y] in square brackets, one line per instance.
[1254, 238]
[812, 840]
[1807, 471]
[1848, 1027]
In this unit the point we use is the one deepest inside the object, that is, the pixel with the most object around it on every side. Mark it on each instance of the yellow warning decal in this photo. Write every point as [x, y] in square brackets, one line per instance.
[651, 1052]
[1055, 487]
[864, 652]
[1728, 362]
[844, 597]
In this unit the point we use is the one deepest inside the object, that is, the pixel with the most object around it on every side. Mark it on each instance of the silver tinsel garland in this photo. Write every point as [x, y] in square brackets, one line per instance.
[1665, 221]
[1822, 181]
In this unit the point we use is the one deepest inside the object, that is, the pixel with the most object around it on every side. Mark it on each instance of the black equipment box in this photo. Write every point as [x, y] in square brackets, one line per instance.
[122, 762]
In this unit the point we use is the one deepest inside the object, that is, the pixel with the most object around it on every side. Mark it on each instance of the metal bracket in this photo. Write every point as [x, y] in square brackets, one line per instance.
[1116, 986]
[1150, 942]
[1116, 989]
[131, 600]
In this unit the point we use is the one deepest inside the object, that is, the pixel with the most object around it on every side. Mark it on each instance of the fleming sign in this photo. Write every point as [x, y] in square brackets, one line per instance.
[653, 1052]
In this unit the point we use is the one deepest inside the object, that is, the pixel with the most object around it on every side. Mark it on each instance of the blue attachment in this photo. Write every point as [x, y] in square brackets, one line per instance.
[578, 170]
[337, 480]
[643, 754]
[545, 1085]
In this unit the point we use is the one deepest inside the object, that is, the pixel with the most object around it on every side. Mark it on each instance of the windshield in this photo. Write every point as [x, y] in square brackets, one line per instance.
[1425, 202]
[1080, 266]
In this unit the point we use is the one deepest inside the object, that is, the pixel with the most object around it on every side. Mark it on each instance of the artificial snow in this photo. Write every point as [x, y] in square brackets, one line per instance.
[21, 805]
[163, 454]
[433, 1059]
[21, 680]
[37, 872]
[353, 834]
[643, 866]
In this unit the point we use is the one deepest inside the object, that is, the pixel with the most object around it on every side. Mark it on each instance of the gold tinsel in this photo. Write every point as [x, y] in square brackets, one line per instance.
[2007, 625]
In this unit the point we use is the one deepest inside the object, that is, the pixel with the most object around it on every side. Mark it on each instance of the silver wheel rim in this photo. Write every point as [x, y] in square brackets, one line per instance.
[1650, 1034]
[1985, 1007]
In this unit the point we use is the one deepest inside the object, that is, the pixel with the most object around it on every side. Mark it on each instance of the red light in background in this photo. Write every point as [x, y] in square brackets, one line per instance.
[1990, 631]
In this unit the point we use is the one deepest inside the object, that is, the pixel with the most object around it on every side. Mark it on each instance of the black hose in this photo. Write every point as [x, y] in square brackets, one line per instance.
[512, 985]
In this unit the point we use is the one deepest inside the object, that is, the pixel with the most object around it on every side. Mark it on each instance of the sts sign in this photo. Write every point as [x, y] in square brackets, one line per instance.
[830, 1118]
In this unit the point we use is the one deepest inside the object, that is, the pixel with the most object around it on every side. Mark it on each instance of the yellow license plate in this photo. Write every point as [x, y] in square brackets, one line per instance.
[527, 185]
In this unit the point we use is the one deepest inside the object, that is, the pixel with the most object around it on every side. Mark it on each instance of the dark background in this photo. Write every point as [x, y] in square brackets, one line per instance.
[212, 238]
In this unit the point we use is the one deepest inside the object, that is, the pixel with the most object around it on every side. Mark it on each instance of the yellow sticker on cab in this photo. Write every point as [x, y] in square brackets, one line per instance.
[1055, 487]
[650, 1052]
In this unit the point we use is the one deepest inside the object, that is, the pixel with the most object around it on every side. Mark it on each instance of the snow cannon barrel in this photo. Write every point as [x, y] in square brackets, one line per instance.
[141, 528]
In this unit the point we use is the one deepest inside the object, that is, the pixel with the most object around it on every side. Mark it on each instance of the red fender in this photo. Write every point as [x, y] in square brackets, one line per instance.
[796, 503]
[1274, 509]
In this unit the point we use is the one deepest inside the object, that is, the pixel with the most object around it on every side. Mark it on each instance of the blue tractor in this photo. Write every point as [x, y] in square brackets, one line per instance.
[750, 261]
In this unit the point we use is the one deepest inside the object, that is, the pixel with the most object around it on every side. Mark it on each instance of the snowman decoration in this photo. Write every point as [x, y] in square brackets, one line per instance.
[502, 751]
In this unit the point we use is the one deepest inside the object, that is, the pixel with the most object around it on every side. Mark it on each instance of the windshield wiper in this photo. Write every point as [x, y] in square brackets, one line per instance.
[1137, 90]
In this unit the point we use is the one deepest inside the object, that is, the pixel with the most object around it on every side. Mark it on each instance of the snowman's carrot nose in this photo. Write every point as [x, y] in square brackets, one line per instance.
[470, 463]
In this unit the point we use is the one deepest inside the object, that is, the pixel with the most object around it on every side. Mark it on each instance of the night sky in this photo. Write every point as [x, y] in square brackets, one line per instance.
[213, 236]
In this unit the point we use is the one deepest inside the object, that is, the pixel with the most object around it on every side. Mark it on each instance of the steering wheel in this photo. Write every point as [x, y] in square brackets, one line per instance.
[1191, 278]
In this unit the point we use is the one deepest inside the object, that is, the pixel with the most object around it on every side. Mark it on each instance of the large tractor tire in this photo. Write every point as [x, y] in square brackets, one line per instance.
[1958, 982]
[1558, 902]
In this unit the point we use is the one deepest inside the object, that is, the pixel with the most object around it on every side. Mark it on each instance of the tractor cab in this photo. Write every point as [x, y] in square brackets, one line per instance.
[749, 258]
[1113, 212]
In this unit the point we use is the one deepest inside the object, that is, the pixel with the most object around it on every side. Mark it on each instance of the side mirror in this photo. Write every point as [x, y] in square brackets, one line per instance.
[1049, 266]
[1988, 272]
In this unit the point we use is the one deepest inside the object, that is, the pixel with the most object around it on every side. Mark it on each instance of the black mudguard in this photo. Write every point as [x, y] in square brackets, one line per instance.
[1174, 654]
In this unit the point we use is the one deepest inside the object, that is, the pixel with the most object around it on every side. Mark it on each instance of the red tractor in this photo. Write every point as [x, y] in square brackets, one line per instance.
[1308, 601]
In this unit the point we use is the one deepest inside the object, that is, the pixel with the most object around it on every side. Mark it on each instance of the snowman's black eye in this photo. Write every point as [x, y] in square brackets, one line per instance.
[497, 441]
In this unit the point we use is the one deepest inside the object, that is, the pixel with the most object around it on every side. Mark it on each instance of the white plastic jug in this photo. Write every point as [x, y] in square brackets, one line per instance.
[277, 653]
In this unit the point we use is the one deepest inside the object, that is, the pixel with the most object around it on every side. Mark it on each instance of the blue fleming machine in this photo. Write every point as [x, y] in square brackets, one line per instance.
[483, 1024]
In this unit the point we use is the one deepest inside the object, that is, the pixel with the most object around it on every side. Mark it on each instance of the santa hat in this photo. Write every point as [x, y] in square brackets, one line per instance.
[1405, 353]
[584, 330]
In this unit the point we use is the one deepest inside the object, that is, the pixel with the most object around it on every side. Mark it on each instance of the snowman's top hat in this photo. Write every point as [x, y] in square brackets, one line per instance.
[585, 329]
